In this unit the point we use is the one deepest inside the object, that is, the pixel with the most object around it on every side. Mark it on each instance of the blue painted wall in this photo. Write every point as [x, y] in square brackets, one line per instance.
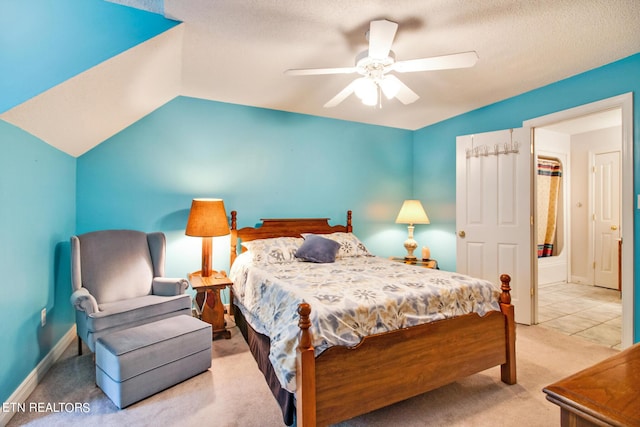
[263, 163]
[434, 148]
[37, 216]
[47, 42]
[43, 43]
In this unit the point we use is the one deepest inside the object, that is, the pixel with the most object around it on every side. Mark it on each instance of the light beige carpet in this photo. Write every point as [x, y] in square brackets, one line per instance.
[233, 392]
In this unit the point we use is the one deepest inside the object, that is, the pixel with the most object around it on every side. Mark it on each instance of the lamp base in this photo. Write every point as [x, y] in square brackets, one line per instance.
[207, 257]
[410, 245]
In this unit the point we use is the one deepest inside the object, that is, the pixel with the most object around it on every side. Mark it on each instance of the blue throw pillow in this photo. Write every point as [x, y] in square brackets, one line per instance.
[318, 249]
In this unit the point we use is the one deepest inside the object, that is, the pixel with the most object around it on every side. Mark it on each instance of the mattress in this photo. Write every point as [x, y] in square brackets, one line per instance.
[350, 298]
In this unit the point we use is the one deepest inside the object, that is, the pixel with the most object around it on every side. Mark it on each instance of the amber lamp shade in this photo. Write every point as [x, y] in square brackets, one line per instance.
[207, 219]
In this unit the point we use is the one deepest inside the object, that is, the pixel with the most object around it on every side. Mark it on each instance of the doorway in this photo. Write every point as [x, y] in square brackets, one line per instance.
[578, 218]
[573, 122]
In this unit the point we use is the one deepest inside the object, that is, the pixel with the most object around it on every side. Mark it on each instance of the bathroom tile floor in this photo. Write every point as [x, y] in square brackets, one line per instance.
[590, 312]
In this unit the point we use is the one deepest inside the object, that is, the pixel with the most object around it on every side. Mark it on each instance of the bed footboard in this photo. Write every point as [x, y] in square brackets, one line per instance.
[344, 382]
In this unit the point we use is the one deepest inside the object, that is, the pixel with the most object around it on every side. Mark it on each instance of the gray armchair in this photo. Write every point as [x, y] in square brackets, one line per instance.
[118, 282]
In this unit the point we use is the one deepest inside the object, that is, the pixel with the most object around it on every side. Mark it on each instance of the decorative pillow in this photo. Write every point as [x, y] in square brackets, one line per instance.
[350, 245]
[274, 250]
[318, 249]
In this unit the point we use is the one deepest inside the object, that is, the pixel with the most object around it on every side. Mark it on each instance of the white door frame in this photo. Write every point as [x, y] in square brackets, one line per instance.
[625, 103]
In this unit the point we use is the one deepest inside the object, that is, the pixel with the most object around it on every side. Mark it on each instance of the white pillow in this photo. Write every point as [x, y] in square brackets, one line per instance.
[274, 250]
[350, 245]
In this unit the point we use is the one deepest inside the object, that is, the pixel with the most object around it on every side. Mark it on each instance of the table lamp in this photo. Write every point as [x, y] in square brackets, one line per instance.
[207, 219]
[411, 213]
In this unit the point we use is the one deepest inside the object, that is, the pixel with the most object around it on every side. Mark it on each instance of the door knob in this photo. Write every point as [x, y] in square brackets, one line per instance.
[614, 227]
[461, 233]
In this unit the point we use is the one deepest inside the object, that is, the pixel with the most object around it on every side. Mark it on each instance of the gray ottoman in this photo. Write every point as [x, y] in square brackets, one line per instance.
[135, 363]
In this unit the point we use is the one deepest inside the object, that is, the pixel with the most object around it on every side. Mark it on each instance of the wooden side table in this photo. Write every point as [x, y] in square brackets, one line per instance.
[605, 394]
[426, 263]
[212, 307]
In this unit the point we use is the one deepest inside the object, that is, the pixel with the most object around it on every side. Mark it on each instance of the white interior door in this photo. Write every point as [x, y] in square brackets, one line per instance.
[493, 212]
[606, 218]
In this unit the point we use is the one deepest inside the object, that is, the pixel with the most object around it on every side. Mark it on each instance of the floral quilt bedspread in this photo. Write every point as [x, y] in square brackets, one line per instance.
[351, 298]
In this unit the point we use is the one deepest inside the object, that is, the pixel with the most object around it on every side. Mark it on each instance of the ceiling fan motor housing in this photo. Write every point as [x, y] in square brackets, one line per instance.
[374, 67]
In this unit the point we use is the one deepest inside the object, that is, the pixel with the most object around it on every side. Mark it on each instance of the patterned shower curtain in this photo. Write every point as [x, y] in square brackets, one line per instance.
[549, 179]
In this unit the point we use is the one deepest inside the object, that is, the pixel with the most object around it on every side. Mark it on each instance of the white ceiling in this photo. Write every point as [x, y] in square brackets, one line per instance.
[237, 50]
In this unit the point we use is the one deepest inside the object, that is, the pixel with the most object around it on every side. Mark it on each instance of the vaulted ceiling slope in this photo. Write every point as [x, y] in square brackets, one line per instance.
[236, 52]
[76, 72]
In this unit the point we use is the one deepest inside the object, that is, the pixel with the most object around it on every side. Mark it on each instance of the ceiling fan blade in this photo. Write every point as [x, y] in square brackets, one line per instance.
[381, 35]
[398, 90]
[445, 62]
[341, 96]
[317, 71]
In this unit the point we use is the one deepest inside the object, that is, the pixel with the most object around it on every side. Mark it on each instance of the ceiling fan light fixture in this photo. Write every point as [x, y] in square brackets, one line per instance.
[367, 90]
[371, 99]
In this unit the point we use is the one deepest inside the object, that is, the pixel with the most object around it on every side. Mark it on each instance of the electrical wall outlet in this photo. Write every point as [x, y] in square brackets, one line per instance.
[43, 317]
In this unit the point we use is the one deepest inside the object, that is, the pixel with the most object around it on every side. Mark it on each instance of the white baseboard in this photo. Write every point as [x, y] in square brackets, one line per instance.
[24, 390]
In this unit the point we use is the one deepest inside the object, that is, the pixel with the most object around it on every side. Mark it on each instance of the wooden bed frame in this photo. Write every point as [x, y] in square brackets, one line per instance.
[386, 368]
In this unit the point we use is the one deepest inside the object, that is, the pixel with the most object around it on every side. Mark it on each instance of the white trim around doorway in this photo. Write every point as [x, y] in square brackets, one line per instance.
[625, 103]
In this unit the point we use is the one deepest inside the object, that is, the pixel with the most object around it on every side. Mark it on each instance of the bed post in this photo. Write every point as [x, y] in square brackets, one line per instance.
[306, 372]
[349, 224]
[508, 370]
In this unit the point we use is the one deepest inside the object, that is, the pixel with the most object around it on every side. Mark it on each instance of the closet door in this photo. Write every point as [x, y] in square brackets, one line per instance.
[494, 217]
[606, 218]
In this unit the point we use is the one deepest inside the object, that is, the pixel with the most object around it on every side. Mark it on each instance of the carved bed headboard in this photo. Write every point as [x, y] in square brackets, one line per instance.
[284, 227]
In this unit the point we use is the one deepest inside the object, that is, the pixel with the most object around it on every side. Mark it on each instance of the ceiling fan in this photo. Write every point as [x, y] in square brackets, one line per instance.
[375, 64]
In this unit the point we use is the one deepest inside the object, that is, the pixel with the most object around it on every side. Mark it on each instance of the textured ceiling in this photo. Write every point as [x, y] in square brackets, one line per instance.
[237, 50]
